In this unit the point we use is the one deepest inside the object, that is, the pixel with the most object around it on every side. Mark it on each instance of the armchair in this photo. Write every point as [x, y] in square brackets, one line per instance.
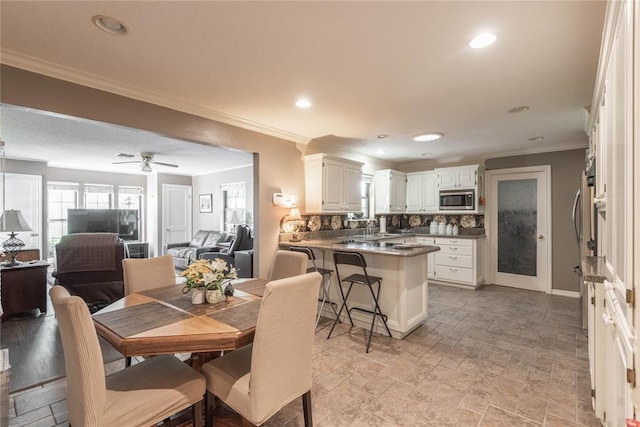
[239, 253]
[89, 265]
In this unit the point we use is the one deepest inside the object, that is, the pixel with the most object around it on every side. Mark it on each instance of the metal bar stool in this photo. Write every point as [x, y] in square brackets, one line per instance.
[356, 259]
[326, 279]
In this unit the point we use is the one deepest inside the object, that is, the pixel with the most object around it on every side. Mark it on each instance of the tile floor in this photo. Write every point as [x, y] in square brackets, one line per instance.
[492, 357]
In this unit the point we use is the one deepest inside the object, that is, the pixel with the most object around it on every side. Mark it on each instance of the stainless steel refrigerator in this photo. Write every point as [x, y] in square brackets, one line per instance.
[584, 224]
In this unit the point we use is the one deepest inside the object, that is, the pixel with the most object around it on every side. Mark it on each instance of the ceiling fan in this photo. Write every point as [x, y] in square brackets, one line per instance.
[145, 162]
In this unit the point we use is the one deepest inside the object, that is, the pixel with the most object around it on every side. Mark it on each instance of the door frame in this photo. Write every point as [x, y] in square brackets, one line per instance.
[491, 261]
[188, 207]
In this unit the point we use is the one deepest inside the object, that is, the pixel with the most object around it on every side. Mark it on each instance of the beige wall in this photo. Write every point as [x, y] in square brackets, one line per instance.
[279, 166]
[566, 167]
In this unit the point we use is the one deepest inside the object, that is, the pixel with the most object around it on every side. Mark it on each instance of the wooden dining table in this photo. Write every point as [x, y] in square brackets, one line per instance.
[165, 321]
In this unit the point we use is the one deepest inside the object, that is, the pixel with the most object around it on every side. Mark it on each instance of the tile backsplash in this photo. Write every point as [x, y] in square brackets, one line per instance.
[313, 223]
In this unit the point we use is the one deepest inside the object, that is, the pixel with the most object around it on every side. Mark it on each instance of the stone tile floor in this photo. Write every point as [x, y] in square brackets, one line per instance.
[496, 356]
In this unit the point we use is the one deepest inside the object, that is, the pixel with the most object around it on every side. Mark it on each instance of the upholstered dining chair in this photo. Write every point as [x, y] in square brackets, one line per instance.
[135, 396]
[259, 379]
[142, 274]
[287, 264]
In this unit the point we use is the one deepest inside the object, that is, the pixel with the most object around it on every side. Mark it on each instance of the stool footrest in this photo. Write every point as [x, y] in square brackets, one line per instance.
[364, 310]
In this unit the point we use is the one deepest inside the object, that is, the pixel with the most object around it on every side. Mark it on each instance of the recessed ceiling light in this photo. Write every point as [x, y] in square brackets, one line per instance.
[303, 103]
[379, 151]
[382, 136]
[109, 25]
[536, 138]
[425, 154]
[429, 136]
[482, 40]
[519, 109]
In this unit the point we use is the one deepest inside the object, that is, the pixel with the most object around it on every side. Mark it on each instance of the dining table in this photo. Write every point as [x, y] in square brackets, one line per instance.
[165, 321]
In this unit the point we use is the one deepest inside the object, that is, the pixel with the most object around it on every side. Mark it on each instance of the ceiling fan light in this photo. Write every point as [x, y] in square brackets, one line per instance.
[146, 168]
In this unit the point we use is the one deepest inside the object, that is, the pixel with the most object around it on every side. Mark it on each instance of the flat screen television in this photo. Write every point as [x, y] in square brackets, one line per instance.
[123, 222]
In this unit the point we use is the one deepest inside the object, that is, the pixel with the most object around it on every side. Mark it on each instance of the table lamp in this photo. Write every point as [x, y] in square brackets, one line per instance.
[12, 221]
[294, 216]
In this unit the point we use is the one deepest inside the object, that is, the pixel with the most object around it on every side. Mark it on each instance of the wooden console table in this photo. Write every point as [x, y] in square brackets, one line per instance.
[23, 287]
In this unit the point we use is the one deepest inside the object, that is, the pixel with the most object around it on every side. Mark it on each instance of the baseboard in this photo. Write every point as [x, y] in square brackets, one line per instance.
[561, 293]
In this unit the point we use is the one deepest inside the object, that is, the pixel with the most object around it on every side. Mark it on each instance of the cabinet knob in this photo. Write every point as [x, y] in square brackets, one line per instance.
[453, 269]
[453, 257]
[608, 320]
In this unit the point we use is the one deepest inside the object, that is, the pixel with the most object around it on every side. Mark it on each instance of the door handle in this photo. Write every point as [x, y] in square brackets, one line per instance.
[540, 236]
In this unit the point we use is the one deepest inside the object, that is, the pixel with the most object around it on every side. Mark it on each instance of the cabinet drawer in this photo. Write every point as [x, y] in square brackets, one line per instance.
[455, 250]
[454, 260]
[454, 274]
[453, 241]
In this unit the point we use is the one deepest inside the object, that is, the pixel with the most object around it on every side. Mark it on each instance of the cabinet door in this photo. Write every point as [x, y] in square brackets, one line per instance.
[398, 192]
[352, 188]
[415, 192]
[430, 192]
[332, 190]
[382, 188]
[467, 177]
[447, 179]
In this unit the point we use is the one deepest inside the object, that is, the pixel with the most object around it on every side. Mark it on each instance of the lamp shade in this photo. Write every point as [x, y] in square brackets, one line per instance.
[12, 220]
[294, 214]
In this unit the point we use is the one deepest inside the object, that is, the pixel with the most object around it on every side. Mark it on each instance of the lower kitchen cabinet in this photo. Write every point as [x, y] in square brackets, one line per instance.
[459, 261]
[596, 342]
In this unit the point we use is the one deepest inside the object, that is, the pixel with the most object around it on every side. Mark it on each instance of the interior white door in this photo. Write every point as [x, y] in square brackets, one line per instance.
[519, 212]
[24, 193]
[176, 213]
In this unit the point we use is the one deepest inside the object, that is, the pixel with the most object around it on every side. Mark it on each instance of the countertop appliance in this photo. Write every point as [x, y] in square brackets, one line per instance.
[584, 223]
[458, 200]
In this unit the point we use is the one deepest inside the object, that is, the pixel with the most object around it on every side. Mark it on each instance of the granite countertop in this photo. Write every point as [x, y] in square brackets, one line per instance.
[594, 269]
[379, 247]
[448, 236]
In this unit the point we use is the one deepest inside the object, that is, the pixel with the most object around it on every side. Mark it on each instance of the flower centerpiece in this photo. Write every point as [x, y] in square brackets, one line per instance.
[210, 276]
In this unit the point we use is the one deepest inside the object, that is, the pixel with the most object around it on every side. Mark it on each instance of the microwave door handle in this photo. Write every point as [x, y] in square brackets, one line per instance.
[574, 216]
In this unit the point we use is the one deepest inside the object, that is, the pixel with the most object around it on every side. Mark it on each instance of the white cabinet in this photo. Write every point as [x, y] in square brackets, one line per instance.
[597, 347]
[332, 184]
[390, 189]
[422, 192]
[459, 261]
[461, 177]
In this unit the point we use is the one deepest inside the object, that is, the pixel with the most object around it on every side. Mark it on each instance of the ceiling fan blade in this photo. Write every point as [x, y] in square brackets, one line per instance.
[122, 163]
[164, 164]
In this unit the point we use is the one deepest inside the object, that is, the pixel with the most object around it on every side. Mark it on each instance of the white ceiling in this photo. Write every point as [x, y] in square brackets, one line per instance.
[396, 68]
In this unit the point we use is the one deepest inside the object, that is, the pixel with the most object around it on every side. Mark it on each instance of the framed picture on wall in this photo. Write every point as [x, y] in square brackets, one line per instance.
[205, 203]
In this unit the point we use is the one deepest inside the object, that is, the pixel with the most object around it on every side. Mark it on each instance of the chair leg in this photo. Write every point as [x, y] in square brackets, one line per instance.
[306, 408]
[384, 317]
[197, 414]
[344, 304]
[209, 402]
[127, 361]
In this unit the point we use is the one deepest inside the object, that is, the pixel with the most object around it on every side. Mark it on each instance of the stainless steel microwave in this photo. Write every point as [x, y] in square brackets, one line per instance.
[458, 200]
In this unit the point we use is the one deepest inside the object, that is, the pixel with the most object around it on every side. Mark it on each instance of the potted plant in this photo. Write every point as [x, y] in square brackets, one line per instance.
[206, 277]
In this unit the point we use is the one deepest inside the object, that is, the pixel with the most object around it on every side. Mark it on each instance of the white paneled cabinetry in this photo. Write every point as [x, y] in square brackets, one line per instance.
[460, 177]
[614, 127]
[459, 261]
[422, 192]
[332, 184]
[390, 189]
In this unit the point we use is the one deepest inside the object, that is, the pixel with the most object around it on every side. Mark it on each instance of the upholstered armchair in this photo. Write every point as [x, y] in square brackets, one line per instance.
[239, 253]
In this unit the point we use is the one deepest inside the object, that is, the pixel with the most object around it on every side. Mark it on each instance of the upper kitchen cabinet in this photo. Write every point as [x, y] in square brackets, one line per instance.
[422, 192]
[457, 177]
[332, 184]
[390, 189]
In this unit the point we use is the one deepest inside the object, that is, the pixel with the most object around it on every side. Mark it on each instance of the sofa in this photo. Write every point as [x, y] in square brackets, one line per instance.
[184, 253]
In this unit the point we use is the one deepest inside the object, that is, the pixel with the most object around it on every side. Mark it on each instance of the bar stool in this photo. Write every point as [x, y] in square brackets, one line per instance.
[356, 259]
[326, 279]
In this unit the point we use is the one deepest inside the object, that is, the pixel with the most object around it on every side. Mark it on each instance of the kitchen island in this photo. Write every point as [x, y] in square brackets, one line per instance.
[403, 268]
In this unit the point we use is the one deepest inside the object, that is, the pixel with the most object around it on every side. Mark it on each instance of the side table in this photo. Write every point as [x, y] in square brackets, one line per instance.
[23, 287]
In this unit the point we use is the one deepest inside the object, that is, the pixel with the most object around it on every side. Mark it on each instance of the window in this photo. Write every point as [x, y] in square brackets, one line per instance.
[61, 197]
[130, 198]
[98, 196]
[234, 205]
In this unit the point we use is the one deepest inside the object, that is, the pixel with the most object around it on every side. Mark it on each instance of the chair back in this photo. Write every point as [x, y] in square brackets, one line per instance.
[350, 258]
[141, 274]
[243, 240]
[86, 384]
[283, 343]
[287, 264]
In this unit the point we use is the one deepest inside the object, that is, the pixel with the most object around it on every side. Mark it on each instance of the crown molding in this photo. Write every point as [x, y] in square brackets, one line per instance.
[39, 66]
